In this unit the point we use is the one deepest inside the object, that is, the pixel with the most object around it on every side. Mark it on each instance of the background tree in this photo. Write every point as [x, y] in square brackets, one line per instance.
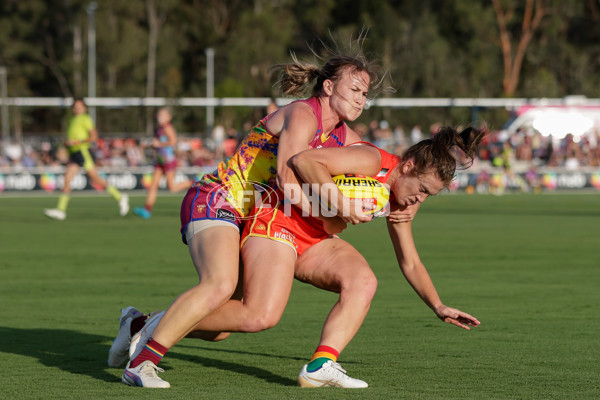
[548, 48]
[513, 54]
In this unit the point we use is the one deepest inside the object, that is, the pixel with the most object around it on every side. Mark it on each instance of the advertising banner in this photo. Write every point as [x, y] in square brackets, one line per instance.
[140, 178]
[50, 181]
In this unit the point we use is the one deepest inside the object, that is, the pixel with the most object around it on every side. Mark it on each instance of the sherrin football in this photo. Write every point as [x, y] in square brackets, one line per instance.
[368, 189]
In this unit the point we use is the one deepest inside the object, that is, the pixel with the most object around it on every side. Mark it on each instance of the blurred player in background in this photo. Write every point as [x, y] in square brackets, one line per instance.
[165, 162]
[81, 133]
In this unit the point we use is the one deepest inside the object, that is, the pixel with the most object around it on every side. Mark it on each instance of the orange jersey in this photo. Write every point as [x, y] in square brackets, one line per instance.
[270, 219]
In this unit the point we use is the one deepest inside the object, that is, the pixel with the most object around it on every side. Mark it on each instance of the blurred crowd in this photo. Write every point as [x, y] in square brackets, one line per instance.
[517, 151]
[117, 152]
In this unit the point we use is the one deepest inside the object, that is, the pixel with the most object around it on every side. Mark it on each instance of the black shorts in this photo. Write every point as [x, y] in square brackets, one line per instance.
[83, 157]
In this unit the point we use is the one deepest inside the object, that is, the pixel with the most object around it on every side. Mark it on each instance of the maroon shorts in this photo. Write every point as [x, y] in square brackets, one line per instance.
[202, 203]
[166, 167]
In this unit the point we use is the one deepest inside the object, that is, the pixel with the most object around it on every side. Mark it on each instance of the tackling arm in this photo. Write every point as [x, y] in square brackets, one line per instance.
[316, 167]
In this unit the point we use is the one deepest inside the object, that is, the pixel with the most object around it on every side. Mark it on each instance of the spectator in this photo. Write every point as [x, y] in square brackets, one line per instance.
[133, 153]
[416, 135]
[230, 144]
[13, 152]
[383, 136]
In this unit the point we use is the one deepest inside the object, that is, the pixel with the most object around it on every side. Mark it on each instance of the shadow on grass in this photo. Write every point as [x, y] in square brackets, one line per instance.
[85, 354]
[252, 353]
[74, 352]
[257, 372]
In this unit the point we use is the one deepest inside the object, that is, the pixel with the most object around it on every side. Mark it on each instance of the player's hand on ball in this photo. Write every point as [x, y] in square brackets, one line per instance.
[456, 317]
[355, 211]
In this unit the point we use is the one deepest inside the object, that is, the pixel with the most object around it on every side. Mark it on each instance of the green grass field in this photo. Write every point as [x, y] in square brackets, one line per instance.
[527, 266]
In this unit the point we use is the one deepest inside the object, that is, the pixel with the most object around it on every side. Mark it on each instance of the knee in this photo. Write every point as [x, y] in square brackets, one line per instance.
[223, 290]
[261, 321]
[217, 292]
[362, 285]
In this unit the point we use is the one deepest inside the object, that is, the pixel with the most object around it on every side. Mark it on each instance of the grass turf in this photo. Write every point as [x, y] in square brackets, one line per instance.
[527, 266]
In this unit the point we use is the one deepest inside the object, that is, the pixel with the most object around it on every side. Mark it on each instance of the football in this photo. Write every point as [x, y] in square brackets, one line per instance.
[368, 189]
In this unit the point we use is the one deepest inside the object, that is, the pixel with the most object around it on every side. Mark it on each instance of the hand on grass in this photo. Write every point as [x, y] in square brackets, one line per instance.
[456, 317]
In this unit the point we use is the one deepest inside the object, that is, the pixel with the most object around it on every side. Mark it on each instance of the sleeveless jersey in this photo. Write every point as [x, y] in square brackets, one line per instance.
[164, 155]
[388, 162]
[255, 160]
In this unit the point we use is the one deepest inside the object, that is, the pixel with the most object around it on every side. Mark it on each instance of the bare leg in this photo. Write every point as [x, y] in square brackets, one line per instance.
[267, 286]
[215, 256]
[70, 172]
[153, 189]
[174, 186]
[95, 178]
[336, 266]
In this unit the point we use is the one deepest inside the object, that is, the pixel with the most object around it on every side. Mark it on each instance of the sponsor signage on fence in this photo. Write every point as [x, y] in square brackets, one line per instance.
[140, 179]
[50, 181]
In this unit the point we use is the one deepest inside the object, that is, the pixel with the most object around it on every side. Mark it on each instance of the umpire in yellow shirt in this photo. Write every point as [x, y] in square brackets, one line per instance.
[81, 133]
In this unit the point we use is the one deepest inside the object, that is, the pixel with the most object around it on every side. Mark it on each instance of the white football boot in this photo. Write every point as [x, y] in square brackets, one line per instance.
[138, 341]
[144, 375]
[119, 351]
[55, 213]
[330, 374]
[124, 205]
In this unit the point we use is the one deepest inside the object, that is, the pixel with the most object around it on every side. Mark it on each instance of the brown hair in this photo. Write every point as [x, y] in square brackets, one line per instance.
[296, 77]
[445, 151]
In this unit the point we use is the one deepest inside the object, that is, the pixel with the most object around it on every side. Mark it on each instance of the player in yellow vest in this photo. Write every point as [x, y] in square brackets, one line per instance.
[81, 133]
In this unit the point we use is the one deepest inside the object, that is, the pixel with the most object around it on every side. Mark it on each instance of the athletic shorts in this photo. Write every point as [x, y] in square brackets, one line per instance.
[203, 208]
[166, 167]
[269, 220]
[83, 158]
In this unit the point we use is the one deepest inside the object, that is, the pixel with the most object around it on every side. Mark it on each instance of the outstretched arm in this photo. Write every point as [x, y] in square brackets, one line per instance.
[416, 274]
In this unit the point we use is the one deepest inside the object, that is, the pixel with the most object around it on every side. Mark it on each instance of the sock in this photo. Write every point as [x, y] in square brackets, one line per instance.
[63, 202]
[148, 208]
[153, 351]
[137, 324]
[114, 192]
[321, 356]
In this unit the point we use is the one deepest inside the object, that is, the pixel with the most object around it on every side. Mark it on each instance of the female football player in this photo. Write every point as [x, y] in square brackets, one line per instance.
[165, 163]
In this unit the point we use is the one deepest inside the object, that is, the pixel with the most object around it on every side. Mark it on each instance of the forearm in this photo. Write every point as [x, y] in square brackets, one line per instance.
[422, 284]
[318, 184]
[410, 263]
[295, 193]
